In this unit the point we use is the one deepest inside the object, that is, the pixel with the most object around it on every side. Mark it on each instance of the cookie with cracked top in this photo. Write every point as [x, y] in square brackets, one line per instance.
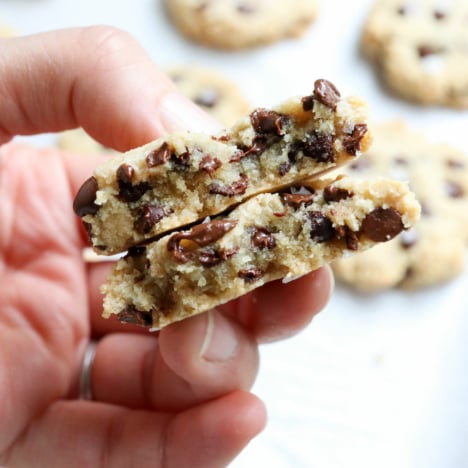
[434, 251]
[240, 24]
[420, 48]
[184, 177]
[271, 236]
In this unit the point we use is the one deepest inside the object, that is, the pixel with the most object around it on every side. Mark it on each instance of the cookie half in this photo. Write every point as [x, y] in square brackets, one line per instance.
[184, 177]
[420, 48]
[271, 236]
[434, 251]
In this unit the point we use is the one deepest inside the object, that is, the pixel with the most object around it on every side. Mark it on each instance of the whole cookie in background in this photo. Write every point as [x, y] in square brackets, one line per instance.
[420, 48]
[6, 31]
[239, 24]
[78, 141]
[211, 90]
[434, 250]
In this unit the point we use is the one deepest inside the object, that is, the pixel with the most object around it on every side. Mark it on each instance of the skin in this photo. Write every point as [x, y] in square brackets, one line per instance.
[179, 397]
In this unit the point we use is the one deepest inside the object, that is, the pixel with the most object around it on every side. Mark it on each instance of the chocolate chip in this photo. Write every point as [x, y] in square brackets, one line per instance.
[159, 156]
[246, 9]
[351, 237]
[321, 227]
[455, 163]
[401, 11]
[331, 193]
[127, 191]
[211, 257]
[454, 189]
[134, 316]
[238, 187]
[326, 93]
[308, 103]
[318, 147]
[361, 164]
[297, 199]
[382, 224]
[209, 164]
[201, 235]
[425, 49]
[181, 159]
[263, 238]
[250, 275]
[284, 168]
[267, 122]
[85, 200]
[439, 14]
[207, 97]
[147, 217]
[352, 143]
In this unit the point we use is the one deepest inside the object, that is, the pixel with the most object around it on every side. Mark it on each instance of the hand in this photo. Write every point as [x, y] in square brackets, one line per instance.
[177, 398]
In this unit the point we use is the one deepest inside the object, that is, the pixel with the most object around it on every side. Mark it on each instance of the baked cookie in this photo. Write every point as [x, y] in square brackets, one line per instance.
[185, 177]
[239, 24]
[420, 47]
[434, 250]
[270, 236]
[212, 91]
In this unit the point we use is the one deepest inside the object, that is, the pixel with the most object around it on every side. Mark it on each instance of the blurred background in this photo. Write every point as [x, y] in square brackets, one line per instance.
[377, 380]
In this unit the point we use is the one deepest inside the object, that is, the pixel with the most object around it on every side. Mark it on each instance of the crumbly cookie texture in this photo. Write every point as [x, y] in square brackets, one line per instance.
[422, 256]
[420, 47]
[239, 24]
[185, 177]
[271, 236]
[212, 91]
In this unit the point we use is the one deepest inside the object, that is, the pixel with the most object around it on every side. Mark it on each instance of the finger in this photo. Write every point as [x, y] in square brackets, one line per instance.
[99, 435]
[279, 310]
[128, 101]
[190, 362]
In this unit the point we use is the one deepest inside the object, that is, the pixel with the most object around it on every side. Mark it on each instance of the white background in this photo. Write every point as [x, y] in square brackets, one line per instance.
[375, 381]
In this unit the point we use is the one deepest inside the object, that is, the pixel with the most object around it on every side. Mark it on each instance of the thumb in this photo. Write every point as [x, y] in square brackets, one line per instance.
[99, 78]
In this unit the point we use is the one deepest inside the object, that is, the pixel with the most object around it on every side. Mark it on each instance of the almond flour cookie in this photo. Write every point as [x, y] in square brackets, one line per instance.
[434, 250]
[185, 177]
[271, 236]
[212, 91]
[420, 47]
[239, 24]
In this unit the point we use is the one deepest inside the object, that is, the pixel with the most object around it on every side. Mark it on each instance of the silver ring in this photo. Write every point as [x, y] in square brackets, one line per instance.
[86, 385]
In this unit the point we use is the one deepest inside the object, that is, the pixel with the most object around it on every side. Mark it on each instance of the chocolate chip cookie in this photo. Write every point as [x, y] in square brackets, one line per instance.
[420, 48]
[184, 177]
[434, 250]
[270, 236]
[239, 24]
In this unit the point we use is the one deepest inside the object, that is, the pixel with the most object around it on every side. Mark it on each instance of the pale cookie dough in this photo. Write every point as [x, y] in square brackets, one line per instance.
[212, 91]
[239, 24]
[185, 177]
[420, 48]
[434, 250]
[271, 236]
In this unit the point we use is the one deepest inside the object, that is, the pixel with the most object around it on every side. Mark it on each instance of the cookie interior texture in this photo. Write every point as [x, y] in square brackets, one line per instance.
[185, 177]
[245, 24]
[420, 48]
[422, 256]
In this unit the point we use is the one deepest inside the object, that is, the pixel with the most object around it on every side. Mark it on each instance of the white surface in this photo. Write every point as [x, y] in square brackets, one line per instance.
[375, 381]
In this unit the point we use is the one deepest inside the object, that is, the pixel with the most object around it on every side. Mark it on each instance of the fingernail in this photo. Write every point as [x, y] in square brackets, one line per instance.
[220, 341]
[179, 113]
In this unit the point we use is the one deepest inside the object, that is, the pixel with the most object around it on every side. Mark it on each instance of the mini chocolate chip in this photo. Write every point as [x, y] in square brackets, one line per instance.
[159, 156]
[147, 217]
[259, 145]
[454, 189]
[263, 238]
[408, 239]
[297, 199]
[267, 122]
[321, 227]
[439, 14]
[127, 191]
[201, 235]
[210, 164]
[181, 159]
[326, 93]
[318, 147]
[352, 143]
[85, 200]
[207, 97]
[382, 224]
[238, 187]
[134, 316]
[250, 275]
[425, 49]
[331, 193]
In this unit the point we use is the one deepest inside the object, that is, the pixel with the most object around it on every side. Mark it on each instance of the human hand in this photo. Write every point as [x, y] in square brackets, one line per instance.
[176, 398]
